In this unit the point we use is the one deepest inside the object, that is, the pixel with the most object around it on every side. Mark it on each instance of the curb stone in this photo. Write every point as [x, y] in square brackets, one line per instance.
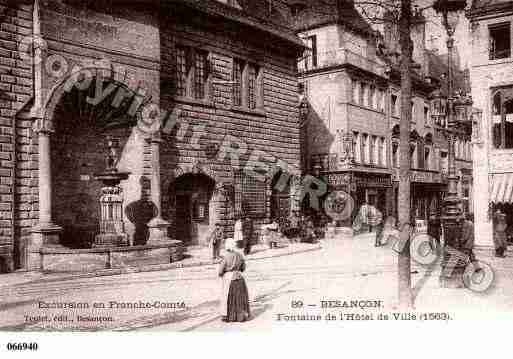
[150, 268]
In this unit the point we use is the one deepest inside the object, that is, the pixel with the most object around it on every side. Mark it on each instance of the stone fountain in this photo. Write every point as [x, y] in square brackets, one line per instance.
[111, 248]
[112, 230]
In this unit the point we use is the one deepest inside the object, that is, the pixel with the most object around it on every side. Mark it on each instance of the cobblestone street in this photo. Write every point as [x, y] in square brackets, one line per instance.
[350, 269]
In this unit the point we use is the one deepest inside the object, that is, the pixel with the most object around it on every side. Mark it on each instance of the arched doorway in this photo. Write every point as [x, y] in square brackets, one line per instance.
[280, 195]
[195, 211]
[78, 153]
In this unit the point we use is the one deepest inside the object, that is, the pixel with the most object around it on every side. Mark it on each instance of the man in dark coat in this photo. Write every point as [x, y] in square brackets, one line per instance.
[467, 237]
[434, 229]
[216, 240]
[247, 233]
[499, 233]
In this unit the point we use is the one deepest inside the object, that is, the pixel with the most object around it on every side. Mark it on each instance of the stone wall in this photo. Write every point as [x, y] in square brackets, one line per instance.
[136, 44]
[484, 75]
[270, 132]
[124, 42]
[15, 92]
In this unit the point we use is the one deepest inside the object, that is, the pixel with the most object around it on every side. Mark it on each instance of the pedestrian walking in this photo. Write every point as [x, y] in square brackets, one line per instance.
[237, 231]
[375, 221]
[247, 232]
[434, 230]
[363, 215]
[499, 233]
[389, 230]
[234, 292]
[216, 240]
[467, 237]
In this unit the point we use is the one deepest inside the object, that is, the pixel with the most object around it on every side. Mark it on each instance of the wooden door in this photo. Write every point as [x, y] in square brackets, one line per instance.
[183, 218]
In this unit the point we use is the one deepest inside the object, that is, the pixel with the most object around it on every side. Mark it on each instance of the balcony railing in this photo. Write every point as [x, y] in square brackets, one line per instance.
[340, 57]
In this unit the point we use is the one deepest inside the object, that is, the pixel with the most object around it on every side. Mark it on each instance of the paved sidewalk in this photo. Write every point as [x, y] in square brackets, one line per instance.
[195, 257]
[359, 246]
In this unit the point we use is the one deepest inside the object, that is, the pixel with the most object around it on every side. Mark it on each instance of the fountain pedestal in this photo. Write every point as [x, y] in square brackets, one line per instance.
[112, 230]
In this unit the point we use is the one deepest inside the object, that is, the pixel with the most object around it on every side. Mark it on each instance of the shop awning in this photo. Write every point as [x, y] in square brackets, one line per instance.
[502, 188]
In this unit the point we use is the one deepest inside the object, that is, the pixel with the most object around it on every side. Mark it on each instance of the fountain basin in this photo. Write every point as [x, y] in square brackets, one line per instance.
[57, 258]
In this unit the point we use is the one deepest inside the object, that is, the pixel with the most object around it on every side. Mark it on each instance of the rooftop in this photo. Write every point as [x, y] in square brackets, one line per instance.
[316, 13]
[268, 16]
[484, 7]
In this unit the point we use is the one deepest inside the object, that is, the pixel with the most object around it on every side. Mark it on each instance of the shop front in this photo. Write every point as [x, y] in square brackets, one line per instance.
[427, 191]
[365, 188]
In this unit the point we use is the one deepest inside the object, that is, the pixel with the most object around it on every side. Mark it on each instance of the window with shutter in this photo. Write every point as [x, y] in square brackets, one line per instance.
[200, 74]
[181, 71]
[252, 86]
[238, 68]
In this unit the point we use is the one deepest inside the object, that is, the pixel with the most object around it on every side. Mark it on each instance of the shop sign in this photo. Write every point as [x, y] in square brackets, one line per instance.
[420, 176]
[373, 181]
[339, 179]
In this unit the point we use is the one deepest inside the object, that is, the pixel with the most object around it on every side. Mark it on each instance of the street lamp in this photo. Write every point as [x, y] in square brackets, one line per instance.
[451, 275]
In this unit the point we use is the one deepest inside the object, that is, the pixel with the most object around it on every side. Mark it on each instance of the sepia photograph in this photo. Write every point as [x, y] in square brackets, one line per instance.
[222, 166]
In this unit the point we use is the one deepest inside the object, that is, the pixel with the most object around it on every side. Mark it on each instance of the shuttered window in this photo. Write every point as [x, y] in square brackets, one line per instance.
[200, 74]
[181, 71]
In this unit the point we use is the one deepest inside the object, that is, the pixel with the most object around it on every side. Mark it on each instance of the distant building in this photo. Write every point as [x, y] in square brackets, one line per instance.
[353, 91]
[491, 76]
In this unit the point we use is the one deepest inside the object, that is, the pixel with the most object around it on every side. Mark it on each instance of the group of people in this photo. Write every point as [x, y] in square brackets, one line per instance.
[383, 228]
[300, 228]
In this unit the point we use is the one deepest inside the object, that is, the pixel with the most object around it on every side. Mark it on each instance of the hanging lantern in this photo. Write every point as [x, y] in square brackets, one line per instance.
[463, 110]
[451, 11]
[438, 106]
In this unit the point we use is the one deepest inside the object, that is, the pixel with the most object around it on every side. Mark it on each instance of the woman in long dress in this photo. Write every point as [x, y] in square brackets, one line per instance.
[234, 295]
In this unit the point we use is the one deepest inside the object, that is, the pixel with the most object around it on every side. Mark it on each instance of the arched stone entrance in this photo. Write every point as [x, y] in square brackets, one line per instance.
[77, 153]
[195, 198]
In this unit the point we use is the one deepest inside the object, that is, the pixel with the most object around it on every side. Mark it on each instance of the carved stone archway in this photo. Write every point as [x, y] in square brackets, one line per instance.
[221, 204]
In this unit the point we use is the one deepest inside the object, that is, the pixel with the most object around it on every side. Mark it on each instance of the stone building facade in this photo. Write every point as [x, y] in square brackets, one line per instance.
[225, 98]
[353, 92]
[492, 84]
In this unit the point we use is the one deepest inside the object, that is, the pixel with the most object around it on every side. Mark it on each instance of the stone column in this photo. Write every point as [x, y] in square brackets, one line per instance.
[158, 226]
[45, 232]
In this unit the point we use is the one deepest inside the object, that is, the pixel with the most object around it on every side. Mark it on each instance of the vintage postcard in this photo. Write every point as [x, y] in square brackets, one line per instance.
[244, 165]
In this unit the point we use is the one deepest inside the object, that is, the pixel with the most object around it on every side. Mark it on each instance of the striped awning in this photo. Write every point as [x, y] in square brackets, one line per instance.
[502, 188]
